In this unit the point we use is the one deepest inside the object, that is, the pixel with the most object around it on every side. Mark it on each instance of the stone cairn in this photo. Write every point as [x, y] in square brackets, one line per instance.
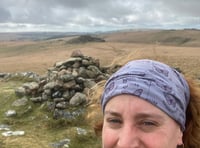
[66, 84]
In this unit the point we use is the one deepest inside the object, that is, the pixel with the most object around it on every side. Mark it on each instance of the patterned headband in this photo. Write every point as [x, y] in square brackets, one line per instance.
[155, 82]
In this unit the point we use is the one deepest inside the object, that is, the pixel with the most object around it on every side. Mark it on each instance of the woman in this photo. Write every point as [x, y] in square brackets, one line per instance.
[147, 104]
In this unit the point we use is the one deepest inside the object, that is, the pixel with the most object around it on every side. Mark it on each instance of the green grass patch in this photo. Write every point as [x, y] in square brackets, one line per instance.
[90, 141]
[40, 128]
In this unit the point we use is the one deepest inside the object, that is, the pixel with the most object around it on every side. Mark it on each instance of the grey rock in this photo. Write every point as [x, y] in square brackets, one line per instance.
[31, 86]
[10, 113]
[81, 131]
[80, 80]
[93, 71]
[36, 99]
[56, 100]
[47, 92]
[61, 144]
[78, 99]
[57, 94]
[68, 62]
[83, 72]
[45, 97]
[20, 91]
[54, 84]
[66, 95]
[3, 75]
[13, 133]
[86, 62]
[76, 64]
[89, 83]
[4, 127]
[66, 77]
[77, 53]
[69, 84]
[74, 72]
[20, 102]
[61, 105]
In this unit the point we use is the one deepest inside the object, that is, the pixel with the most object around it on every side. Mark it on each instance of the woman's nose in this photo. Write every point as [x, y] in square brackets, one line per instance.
[128, 137]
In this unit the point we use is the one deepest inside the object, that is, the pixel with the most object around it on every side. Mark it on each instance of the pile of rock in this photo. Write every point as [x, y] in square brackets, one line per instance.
[19, 75]
[66, 83]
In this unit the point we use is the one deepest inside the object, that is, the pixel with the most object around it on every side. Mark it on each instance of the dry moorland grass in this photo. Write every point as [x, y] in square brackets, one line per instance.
[187, 37]
[39, 56]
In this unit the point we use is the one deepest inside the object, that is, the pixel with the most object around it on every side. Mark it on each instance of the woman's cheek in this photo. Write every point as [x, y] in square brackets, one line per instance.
[109, 138]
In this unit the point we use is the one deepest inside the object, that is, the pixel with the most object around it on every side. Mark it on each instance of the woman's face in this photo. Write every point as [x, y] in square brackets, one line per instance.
[131, 122]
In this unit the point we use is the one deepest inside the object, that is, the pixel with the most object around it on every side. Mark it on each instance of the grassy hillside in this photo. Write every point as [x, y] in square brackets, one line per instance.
[164, 37]
[179, 49]
[41, 55]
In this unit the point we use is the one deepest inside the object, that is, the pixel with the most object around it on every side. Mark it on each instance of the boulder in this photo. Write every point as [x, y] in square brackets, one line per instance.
[78, 99]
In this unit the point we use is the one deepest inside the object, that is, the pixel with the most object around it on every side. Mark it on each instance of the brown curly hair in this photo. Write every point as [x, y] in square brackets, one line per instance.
[191, 135]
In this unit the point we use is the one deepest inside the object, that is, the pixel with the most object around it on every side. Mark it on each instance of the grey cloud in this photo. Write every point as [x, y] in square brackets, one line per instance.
[5, 15]
[183, 7]
[100, 14]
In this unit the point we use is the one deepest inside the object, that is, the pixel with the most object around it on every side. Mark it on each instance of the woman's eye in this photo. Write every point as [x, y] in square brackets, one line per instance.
[114, 123]
[148, 123]
[148, 126]
[114, 120]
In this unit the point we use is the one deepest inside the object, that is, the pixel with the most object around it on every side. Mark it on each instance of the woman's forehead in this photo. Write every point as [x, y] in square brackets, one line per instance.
[133, 107]
[130, 102]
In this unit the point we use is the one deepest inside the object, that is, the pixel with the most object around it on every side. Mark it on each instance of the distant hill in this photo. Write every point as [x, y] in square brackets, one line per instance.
[85, 39]
[35, 36]
[186, 37]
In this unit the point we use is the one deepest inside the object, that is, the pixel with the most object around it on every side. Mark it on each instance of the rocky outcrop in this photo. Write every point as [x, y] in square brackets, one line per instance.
[66, 84]
[23, 76]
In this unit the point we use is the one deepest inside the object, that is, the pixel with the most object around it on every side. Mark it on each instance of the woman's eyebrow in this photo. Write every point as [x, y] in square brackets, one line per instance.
[138, 116]
[113, 113]
[149, 115]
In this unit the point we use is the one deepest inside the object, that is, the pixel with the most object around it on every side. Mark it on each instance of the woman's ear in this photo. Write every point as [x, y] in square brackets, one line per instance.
[180, 137]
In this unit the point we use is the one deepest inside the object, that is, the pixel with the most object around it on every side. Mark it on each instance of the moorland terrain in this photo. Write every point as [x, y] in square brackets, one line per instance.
[176, 47]
[23, 53]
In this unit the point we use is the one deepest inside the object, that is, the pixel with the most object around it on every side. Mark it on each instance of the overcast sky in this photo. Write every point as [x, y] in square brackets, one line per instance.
[97, 15]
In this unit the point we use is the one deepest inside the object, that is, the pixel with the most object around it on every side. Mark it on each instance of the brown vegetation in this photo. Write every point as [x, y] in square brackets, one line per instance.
[187, 37]
[39, 56]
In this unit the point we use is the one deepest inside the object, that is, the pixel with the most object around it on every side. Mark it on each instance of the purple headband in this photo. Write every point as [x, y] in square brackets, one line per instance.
[155, 82]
